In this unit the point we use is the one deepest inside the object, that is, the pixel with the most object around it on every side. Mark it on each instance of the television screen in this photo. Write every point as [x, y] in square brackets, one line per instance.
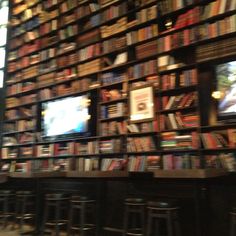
[226, 86]
[66, 116]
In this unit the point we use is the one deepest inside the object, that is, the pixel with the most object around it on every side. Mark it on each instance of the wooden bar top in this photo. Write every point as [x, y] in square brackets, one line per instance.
[187, 174]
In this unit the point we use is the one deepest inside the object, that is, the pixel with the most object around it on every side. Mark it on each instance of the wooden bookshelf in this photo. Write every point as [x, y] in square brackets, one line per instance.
[117, 47]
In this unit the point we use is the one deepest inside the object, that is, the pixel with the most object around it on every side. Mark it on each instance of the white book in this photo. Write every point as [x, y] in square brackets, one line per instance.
[173, 121]
[170, 102]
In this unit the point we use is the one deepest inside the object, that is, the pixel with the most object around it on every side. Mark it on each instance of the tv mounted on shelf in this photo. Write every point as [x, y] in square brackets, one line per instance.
[226, 88]
[70, 116]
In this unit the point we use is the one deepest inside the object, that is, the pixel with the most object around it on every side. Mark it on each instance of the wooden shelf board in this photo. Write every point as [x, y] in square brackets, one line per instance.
[193, 173]
[97, 174]
[42, 174]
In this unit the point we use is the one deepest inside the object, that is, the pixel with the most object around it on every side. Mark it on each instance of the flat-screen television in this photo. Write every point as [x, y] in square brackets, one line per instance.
[66, 116]
[226, 87]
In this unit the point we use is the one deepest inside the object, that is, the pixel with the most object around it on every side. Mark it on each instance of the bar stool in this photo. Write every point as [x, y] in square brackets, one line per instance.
[7, 202]
[233, 222]
[134, 217]
[55, 205]
[157, 210]
[83, 208]
[25, 203]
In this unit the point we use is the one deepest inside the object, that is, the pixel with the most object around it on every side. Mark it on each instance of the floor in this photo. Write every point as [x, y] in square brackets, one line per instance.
[9, 232]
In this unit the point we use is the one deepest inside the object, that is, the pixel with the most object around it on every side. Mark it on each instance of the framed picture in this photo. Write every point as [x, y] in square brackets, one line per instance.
[141, 104]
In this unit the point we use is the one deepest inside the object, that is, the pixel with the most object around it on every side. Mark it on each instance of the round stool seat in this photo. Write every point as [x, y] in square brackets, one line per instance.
[6, 192]
[57, 196]
[162, 204]
[24, 193]
[134, 201]
[79, 199]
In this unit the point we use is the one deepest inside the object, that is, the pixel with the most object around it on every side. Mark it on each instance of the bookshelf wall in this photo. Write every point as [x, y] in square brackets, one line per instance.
[60, 48]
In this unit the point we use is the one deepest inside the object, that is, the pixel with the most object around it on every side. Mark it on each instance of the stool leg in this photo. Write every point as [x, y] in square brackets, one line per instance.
[232, 225]
[70, 221]
[5, 211]
[45, 217]
[82, 220]
[57, 215]
[169, 224]
[149, 222]
[22, 215]
[143, 220]
[177, 225]
[125, 221]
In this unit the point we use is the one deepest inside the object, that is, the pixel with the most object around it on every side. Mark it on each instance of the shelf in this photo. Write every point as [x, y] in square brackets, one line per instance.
[190, 173]
[52, 174]
[97, 174]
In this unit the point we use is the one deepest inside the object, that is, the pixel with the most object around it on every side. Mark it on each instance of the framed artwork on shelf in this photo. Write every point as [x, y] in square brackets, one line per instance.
[141, 104]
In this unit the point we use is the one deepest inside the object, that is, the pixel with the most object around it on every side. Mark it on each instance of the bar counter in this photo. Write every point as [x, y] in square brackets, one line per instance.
[205, 196]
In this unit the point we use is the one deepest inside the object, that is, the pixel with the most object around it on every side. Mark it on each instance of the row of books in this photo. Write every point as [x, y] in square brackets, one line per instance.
[48, 27]
[215, 50]
[85, 10]
[113, 128]
[179, 101]
[180, 162]
[112, 77]
[174, 140]
[146, 49]
[20, 87]
[219, 139]
[24, 100]
[68, 5]
[140, 144]
[167, 6]
[163, 43]
[66, 60]
[110, 146]
[114, 44]
[201, 13]
[151, 80]
[178, 120]
[20, 125]
[142, 34]
[89, 52]
[182, 79]
[17, 139]
[20, 113]
[119, 26]
[222, 160]
[114, 11]
[89, 67]
[68, 32]
[146, 14]
[113, 164]
[143, 127]
[200, 32]
[142, 69]
[113, 110]
[48, 15]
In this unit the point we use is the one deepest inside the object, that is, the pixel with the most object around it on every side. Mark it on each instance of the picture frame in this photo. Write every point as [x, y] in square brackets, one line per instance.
[141, 104]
